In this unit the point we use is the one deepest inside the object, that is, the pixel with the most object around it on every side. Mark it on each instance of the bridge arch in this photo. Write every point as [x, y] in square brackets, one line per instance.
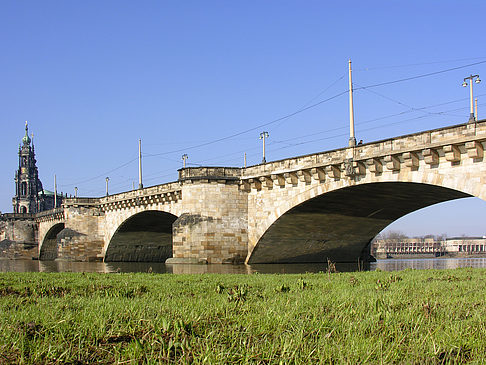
[312, 225]
[48, 249]
[143, 237]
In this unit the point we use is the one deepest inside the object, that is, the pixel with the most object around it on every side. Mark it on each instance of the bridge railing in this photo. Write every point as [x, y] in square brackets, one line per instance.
[411, 142]
[209, 173]
[80, 201]
[49, 212]
[17, 216]
[140, 193]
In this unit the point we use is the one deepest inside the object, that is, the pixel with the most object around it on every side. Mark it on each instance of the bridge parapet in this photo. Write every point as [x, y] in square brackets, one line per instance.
[208, 174]
[16, 216]
[435, 138]
[454, 144]
[164, 193]
[80, 202]
[55, 214]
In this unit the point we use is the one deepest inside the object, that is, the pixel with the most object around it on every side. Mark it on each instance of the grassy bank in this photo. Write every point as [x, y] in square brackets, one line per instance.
[370, 317]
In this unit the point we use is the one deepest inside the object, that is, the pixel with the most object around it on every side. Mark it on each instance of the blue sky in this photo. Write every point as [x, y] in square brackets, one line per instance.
[93, 77]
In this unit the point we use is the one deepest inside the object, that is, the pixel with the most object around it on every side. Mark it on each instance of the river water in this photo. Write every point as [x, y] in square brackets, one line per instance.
[385, 265]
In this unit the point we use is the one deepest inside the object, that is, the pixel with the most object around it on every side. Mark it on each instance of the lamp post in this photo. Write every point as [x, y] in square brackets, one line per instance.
[476, 108]
[55, 189]
[472, 118]
[140, 185]
[352, 138]
[264, 135]
[107, 179]
[75, 191]
[184, 158]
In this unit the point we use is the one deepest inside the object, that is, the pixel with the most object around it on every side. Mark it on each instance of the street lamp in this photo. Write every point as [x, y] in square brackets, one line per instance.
[472, 117]
[184, 158]
[75, 191]
[55, 188]
[140, 185]
[263, 136]
[352, 138]
[107, 179]
[476, 108]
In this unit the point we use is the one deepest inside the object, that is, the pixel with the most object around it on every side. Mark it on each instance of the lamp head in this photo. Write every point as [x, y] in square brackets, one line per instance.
[464, 84]
[478, 80]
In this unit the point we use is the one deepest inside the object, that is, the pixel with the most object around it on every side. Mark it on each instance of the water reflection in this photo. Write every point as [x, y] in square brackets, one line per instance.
[101, 267]
[424, 264]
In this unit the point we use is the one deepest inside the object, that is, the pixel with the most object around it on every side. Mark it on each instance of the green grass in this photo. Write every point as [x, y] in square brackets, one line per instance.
[411, 317]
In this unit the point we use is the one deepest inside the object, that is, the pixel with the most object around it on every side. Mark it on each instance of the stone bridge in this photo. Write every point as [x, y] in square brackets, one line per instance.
[303, 209]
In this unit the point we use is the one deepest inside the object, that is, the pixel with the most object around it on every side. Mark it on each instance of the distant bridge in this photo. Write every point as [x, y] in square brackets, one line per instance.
[302, 209]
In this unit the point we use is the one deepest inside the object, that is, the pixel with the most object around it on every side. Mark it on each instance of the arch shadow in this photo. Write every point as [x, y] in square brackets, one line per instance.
[339, 225]
[48, 249]
[144, 237]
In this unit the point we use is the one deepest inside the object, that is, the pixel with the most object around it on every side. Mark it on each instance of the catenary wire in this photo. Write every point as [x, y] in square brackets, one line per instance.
[282, 118]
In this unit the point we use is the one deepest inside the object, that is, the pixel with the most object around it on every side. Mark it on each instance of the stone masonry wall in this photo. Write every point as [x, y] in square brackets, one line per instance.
[213, 226]
[18, 238]
[82, 237]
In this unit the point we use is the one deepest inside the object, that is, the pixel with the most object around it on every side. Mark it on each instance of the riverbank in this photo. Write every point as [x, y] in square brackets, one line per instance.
[449, 255]
[410, 316]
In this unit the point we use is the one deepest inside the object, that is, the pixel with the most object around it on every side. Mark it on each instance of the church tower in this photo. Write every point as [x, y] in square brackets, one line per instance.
[28, 187]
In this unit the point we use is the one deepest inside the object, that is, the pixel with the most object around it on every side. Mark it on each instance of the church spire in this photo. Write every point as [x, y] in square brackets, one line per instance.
[28, 188]
[26, 139]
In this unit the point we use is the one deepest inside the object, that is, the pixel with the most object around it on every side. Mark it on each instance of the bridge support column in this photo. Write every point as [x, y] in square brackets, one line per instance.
[214, 227]
[82, 237]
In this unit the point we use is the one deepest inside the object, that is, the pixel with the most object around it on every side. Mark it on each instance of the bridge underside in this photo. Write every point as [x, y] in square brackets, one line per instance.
[49, 249]
[339, 225]
[144, 237]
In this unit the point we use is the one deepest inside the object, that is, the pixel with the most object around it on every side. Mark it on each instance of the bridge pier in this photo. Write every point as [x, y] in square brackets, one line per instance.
[82, 237]
[213, 225]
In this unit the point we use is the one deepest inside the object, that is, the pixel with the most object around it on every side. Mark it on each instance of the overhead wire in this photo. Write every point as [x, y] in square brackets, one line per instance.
[376, 119]
[419, 76]
[363, 130]
[317, 96]
[301, 110]
[316, 104]
[252, 129]
[101, 175]
[417, 64]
